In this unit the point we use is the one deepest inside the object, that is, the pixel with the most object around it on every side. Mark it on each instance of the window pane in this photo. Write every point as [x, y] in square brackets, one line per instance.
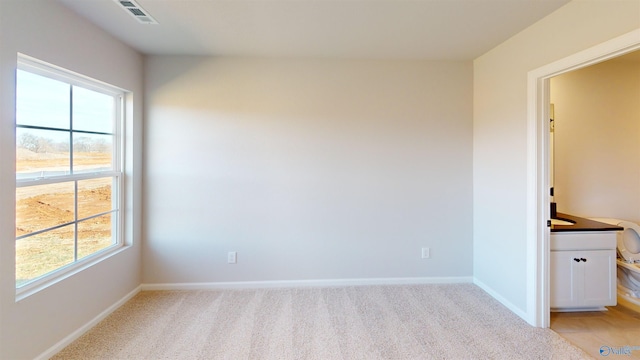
[42, 101]
[43, 206]
[92, 111]
[94, 235]
[92, 152]
[40, 254]
[94, 197]
[41, 153]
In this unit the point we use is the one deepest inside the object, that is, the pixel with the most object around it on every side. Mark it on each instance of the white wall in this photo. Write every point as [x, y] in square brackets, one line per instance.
[500, 134]
[50, 32]
[310, 169]
[597, 132]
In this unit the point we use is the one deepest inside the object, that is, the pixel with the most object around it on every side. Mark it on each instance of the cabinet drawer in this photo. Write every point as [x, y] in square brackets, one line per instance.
[586, 240]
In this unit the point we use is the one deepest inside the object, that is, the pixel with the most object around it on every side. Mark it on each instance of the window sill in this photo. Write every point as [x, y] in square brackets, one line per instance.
[67, 272]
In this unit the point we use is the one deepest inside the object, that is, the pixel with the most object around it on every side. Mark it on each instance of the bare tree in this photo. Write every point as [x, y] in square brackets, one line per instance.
[88, 144]
[82, 144]
[101, 145]
[34, 143]
[28, 141]
[44, 145]
[61, 147]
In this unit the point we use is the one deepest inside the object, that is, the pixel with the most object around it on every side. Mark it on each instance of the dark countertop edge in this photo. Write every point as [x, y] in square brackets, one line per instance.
[582, 224]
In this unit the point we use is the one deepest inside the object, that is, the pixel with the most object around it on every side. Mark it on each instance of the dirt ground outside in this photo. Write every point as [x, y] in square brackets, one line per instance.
[45, 206]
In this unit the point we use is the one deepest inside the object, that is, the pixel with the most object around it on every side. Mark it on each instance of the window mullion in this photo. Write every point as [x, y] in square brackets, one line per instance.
[71, 169]
[75, 220]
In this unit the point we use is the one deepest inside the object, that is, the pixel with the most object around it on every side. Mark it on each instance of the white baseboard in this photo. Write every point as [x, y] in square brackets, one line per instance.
[501, 299]
[305, 283]
[86, 327]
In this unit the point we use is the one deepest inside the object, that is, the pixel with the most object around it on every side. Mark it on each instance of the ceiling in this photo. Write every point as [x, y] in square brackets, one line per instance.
[394, 29]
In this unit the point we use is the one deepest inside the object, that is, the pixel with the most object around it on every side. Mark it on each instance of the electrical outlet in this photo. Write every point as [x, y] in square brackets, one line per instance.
[232, 257]
[426, 253]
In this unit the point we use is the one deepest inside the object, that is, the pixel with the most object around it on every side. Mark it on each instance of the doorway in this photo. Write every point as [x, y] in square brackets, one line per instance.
[596, 135]
[538, 164]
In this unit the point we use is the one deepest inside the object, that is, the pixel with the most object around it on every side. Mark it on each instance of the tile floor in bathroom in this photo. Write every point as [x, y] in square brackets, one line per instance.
[615, 328]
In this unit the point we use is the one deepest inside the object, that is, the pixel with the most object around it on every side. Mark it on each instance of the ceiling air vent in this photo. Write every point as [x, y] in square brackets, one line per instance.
[135, 10]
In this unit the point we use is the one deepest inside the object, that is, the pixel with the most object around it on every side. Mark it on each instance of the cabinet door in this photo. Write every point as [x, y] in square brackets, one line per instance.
[563, 288]
[599, 281]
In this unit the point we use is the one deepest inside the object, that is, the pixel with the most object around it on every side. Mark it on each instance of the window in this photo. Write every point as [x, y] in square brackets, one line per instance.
[68, 170]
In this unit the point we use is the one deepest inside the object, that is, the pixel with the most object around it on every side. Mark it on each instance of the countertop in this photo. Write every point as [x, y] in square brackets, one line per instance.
[581, 224]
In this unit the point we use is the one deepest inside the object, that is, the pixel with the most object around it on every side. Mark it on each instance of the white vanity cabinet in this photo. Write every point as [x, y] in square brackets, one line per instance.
[583, 270]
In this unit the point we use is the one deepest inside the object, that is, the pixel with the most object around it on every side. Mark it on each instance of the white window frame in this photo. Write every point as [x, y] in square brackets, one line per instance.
[35, 66]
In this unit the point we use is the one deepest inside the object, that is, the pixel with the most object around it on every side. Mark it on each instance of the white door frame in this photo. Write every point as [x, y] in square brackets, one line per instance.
[538, 197]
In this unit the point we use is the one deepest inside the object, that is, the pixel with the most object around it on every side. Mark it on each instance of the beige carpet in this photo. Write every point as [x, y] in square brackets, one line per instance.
[452, 321]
